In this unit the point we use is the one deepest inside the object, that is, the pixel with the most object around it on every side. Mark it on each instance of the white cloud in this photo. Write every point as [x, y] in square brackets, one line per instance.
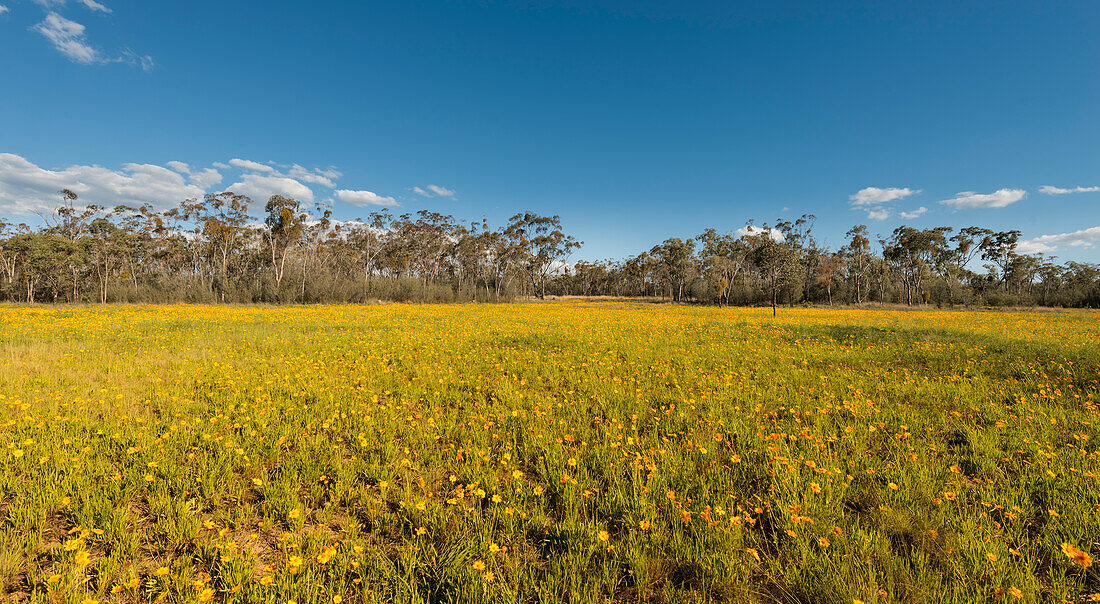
[434, 191]
[90, 4]
[68, 37]
[1033, 247]
[3, 9]
[245, 164]
[26, 188]
[915, 213]
[93, 5]
[296, 172]
[206, 179]
[875, 195]
[317, 177]
[969, 200]
[1048, 243]
[364, 198]
[179, 166]
[260, 187]
[1049, 190]
[878, 214]
[132, 58]
[750, 229]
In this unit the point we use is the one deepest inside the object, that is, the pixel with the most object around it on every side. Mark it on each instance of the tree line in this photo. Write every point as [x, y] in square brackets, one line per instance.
[783, 263]
[213, 250]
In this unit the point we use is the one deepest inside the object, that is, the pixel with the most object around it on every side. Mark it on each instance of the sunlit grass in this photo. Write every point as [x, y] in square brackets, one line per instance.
[580, 452]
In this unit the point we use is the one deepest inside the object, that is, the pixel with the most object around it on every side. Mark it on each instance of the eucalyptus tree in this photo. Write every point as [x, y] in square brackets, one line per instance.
[223, 221]
[967, 245]
[542, 245]
[676, 259]
[912, 252]
[775, 260]
[724, 258]
[857, 254]
[1000, 248]
[105, 241]
[285, 223]
[829, 271]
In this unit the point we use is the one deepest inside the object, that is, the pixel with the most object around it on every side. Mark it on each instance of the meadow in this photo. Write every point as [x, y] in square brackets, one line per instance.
[571, 451]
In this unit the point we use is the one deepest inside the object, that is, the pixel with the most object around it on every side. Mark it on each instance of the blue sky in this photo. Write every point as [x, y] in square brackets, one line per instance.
[635, 121]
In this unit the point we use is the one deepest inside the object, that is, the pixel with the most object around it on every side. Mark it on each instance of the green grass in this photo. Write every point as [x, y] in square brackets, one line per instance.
[580, 452]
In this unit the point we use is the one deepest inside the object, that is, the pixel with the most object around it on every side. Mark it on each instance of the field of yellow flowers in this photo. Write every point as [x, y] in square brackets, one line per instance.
[572, 451]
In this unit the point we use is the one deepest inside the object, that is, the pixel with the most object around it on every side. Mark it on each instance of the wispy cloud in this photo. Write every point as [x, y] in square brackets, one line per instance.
[145, 62]
[247, 164]
[434, 191]
[969, 200]
[90, 4]
[93, 5]
[3, 9]
[915, 213]
[1049, 190]
[874, 200]
[317, 176]
[875, 195]
[67, 37]
[325, 177]
[1049, 243]
[364, 198]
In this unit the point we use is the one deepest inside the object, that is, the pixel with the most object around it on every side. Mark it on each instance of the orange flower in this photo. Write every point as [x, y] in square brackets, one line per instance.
[1079, 557]
[326, 555]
